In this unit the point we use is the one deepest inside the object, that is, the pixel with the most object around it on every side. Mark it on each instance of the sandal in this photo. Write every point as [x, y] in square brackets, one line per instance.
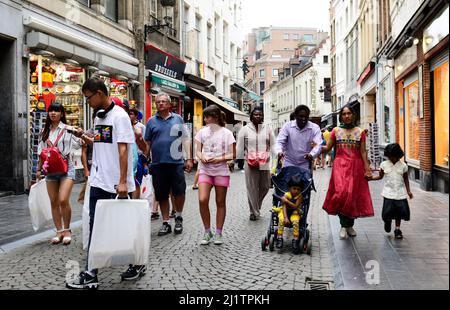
[67, 239]
[58, 238]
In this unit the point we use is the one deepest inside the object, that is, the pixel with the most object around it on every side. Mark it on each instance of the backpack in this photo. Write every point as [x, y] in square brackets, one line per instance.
[54, 162]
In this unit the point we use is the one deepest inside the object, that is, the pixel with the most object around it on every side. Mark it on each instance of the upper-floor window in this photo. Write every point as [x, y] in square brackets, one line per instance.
[111, 9]
[262, 73]
[153, 7]
[85, 2]
[296, 36]
[308, 37]
[286, 36]
[275, 72]
[325, 59]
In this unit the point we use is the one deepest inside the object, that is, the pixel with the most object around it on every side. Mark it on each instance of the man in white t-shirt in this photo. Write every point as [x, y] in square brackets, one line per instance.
[112, 162]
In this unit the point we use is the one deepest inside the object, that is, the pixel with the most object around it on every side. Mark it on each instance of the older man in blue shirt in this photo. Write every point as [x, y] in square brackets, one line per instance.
[167, 137]
[299, 141]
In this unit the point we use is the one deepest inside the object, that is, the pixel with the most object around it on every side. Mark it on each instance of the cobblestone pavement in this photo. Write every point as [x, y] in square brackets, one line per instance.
[179, 262]
[15, 222]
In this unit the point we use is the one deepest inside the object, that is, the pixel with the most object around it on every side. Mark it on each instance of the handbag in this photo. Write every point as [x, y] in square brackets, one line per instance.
[54, 162]
[259, 158]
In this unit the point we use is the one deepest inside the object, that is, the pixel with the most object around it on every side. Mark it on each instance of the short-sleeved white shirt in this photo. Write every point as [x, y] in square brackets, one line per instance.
[394, 185]
[108, 132]
[215, 144]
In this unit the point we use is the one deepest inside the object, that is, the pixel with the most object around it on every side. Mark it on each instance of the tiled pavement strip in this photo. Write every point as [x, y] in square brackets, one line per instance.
[420, 261]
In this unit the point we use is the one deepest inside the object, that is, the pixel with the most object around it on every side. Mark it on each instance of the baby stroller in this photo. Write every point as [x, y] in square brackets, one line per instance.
[280, 181]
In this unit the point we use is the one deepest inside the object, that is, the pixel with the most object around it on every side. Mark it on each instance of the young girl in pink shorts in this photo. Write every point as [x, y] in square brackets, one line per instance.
[215, 145]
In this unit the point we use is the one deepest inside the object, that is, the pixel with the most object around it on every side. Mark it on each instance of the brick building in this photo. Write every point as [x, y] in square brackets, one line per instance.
[419, 51]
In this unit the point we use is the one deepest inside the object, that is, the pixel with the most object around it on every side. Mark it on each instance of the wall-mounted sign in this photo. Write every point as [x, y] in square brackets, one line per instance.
[164, 63]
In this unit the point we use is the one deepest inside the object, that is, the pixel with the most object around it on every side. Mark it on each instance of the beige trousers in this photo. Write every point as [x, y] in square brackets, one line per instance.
[258, 184]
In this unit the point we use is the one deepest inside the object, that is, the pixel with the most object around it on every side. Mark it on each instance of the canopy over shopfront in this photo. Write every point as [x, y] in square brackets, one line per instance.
[238, 115]
[63, 49]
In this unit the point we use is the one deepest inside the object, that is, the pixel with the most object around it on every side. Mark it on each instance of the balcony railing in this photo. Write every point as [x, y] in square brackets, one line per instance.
[166, 25]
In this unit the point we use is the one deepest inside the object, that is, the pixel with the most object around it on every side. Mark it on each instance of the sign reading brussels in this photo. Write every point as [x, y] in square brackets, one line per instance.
[163, 63]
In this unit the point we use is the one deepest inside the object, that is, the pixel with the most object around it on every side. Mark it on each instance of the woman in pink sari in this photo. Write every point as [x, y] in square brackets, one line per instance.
[348, 195]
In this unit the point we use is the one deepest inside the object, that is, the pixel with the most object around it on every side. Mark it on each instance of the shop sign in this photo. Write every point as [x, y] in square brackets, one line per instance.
[164, 63]
[231, 103]
[169, 84]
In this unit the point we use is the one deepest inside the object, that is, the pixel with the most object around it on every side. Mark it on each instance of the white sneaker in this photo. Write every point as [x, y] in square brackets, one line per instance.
[218, 239]
[351, 232]
[343, 233]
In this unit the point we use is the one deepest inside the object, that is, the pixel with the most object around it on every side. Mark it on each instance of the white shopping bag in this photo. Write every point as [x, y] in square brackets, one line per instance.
[121, 234]
[40, 206]
[85, 216]
[147, 188]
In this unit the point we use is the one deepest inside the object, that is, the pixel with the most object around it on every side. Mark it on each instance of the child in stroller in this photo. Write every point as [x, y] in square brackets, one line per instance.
[290, 213]
[281, 178]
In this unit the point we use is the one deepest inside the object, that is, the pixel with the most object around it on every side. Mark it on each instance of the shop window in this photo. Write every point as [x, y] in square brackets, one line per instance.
[386, 90]
[412, 120]
[441, 118]
[52, 81]
[401, 116]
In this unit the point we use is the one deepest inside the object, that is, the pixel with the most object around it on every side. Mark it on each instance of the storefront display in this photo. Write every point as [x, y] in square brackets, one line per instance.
[441, 116]
[412, 118]
[53, 81]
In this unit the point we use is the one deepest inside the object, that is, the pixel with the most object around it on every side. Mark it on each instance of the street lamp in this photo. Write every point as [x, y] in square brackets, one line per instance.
[322, 92]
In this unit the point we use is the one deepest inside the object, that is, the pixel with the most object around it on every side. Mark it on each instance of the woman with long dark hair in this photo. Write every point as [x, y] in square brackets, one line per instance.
[215, 146]
[59, 186]
[255, 143]
[348, 194]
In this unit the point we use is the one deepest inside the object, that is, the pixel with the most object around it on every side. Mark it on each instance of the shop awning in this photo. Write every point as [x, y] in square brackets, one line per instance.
[253, 96]
[327, 117]
[64, 49]
[238, 115]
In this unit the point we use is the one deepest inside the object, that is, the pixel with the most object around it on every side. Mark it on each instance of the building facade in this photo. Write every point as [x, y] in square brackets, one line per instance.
[269, 48]
[308, 84]
[401, 80]
[419, 50]
[49, 48]
[211, 47]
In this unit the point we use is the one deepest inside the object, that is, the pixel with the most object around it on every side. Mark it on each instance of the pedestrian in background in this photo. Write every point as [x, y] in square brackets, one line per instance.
[326, 135]
[167, 137]
[256, 143]
[215, 146]
[59, 186]
[348, 194]
[396, 189]
[299, 141]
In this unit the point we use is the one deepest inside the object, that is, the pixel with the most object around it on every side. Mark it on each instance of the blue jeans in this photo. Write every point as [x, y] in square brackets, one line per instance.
[95, 195]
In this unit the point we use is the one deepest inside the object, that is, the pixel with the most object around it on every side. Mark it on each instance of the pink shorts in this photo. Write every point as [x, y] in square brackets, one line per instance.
[214, 180]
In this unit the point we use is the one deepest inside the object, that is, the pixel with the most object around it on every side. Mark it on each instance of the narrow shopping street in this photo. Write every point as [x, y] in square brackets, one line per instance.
[178, 262]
